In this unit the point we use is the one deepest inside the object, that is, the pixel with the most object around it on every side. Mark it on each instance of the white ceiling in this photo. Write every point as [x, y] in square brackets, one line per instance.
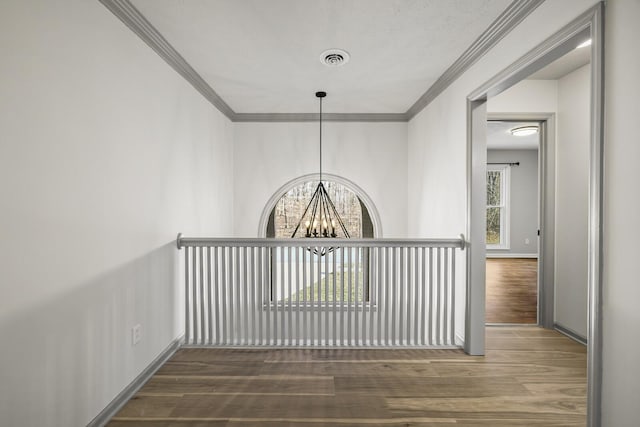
[499, 136]
[263, 56]
[564, 65]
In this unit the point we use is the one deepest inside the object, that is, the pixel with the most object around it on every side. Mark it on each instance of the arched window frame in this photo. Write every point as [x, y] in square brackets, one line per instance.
[365, 200]
[362, 195]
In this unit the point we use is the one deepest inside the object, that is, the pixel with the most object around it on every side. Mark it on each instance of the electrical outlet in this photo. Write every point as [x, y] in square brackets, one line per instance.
[136, 334]
[527, 241]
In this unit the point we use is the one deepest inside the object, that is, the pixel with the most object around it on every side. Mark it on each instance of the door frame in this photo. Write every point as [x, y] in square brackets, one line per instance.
[546, 209]
[588, 25]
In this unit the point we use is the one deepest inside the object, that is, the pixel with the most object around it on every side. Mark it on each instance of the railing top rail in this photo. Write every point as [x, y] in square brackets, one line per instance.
[318, 242]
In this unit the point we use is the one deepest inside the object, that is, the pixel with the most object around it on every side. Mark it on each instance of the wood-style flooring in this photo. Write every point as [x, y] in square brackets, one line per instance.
[512, 290]
[529, 377]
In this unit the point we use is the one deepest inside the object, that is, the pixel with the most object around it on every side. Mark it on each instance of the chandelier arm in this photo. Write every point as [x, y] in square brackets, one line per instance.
[327, 214]
[304, 213]
[316, 200]
[342, 226]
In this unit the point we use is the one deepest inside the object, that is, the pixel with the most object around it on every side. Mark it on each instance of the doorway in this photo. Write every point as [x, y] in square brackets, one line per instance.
[512, 222]
[589, 26]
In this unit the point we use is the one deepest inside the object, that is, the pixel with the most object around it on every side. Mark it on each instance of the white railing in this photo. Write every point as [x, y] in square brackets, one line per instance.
[319, 292]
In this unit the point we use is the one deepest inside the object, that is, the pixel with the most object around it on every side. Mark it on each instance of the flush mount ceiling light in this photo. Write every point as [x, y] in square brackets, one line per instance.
[584, 44]
[334, 57]
[524, 130]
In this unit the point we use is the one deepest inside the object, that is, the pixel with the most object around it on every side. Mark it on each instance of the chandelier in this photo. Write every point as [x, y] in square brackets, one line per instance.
[320, 217]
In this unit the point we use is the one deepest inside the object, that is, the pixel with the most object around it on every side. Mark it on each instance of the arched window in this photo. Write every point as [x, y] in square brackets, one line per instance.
[283, 219]
[290, 207]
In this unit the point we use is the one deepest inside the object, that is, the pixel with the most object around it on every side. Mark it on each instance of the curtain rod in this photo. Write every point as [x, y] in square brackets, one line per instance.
[505, 163]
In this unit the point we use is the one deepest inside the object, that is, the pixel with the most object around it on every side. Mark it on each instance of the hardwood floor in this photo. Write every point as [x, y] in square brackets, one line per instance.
[529, 377]
[512, 290]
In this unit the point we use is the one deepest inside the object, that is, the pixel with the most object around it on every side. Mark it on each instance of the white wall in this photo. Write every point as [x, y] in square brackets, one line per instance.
[371, 155]
[106, 153]
[569, 98]
[523, 201]
[438, 134]
[621, 348]
[527, 96]
[572, 200]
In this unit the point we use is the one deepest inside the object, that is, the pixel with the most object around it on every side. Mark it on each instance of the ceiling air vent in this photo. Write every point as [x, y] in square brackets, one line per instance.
[334, 57]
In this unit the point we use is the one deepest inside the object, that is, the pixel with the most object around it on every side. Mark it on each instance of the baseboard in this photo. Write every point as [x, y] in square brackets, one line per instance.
[569, 333]
[123, 397]
[500, 325]
[510, 255]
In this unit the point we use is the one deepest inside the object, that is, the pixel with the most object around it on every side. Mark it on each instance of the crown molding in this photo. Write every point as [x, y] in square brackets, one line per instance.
[314, 117]
[507, 21]
[133, 19]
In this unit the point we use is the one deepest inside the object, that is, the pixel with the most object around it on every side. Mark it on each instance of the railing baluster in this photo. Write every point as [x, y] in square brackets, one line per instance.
[360, 277]
[238, 296]
[209, 299]
[371, 283]
[326, 296]
[236, 320]
[402, 286]
[223, 297]
[343, 282]
[438, 297]
[297, 289]
[216, 290]
[416, 294]
[245, 295]
[305, 313]
[445, 296]
[275, 275]
[380, 283]
[194, 290]
[283, 293]
[363, 294]
[201, 259]
[410, 297]
[187, 306]
[251, 297]
[283, 296]
[356, 310]
[335, 313]
[349, 296]
[312, 269]
[290, 324]
[267, 286]
[453, 296]
[260, 290]
[385, 297]
[394, 296]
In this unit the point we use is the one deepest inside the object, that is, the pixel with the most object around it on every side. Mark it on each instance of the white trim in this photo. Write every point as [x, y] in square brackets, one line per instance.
[510, 255]
[364, 197]
[133, 19]
[313, 117]
[503, 24]
[515, 13]
[590, 23]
